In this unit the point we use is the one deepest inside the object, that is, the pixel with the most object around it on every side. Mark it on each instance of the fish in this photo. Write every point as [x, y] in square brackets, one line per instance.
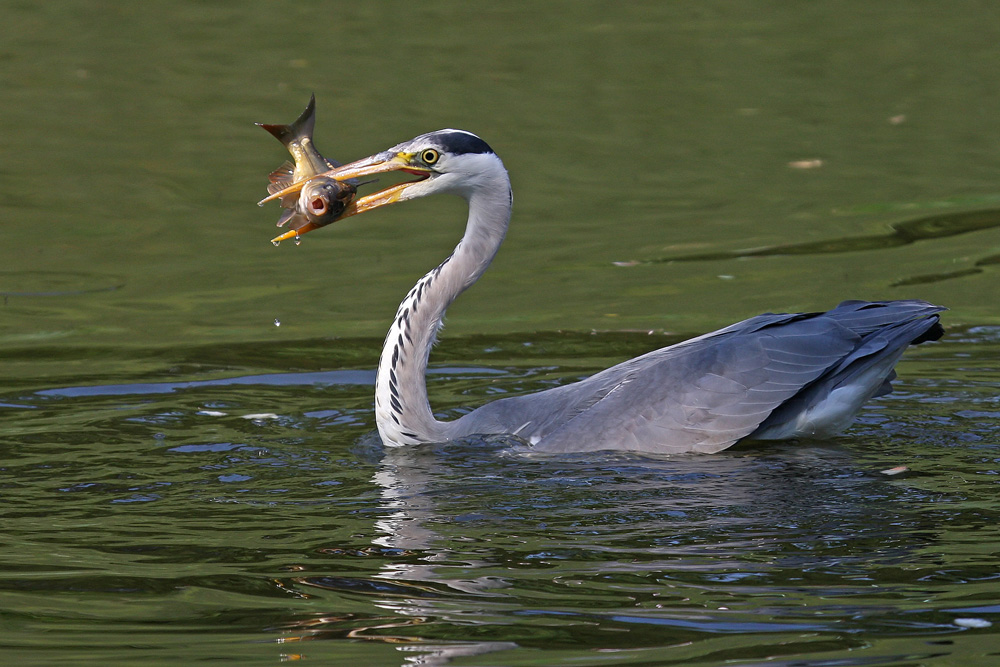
[321, 200]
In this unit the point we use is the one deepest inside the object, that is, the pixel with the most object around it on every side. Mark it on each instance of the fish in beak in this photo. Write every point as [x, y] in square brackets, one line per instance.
[387, 161]
[319, 200]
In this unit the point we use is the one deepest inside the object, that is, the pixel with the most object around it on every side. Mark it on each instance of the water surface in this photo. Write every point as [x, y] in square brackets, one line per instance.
[188, 468]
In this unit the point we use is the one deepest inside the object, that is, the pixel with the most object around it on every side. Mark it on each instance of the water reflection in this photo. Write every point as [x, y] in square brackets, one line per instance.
[661, 533]
[408, 587]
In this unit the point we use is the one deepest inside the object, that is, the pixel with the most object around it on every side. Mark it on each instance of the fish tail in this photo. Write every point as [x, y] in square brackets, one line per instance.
[302, 127]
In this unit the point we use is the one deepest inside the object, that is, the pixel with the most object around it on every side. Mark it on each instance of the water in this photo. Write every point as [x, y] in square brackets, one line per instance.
[252, 518]
[188, 468]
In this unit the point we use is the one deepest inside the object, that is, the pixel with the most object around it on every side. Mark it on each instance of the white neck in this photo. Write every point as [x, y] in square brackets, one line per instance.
[402, 410]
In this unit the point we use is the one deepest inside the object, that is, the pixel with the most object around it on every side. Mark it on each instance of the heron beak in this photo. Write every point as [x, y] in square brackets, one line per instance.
[376, 164]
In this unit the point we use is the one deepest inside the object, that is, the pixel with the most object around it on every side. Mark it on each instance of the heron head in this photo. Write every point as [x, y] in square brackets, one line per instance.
[447, 161]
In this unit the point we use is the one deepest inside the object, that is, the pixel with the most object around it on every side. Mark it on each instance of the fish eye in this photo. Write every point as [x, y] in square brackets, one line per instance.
[430, 156]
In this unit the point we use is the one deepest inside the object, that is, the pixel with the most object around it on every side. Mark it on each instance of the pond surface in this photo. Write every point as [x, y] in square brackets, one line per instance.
[188, 468]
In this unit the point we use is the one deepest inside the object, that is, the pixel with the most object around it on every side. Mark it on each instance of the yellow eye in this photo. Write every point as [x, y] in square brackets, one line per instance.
[430, 156]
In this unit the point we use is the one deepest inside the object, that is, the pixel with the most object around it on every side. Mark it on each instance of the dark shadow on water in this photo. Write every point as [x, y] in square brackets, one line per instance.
[56, 283]
[901, 234]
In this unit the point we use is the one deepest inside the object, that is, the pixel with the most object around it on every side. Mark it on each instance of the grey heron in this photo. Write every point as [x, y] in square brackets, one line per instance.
[773, 376]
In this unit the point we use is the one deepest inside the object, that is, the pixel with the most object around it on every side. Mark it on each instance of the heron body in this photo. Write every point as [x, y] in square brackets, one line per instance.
[773, 376]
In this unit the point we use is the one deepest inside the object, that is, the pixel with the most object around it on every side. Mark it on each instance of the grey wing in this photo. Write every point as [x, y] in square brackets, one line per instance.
[772, 376]
[829, 405]
[706, 395]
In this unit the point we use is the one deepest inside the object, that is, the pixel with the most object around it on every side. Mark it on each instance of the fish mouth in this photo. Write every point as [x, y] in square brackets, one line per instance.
[318, 206]
[376, 164]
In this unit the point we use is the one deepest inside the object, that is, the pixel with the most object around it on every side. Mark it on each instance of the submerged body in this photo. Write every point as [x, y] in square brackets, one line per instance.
[322, 199]
[769, 377]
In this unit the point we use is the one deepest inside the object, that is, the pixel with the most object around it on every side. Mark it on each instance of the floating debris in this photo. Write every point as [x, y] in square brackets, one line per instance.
[806, 164]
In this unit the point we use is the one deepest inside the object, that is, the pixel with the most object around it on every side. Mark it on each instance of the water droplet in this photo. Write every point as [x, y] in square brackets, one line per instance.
[298, 239]
[276, 242]
[277, 322]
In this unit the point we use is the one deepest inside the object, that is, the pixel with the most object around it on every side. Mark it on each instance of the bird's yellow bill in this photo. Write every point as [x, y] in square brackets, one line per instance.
[377, 164]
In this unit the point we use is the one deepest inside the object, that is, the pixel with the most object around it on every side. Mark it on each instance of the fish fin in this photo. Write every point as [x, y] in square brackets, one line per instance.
[302, 127]
[281, 177]
[289, 215]
[294, 221]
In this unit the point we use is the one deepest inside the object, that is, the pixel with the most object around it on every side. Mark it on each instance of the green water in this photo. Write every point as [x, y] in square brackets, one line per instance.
[184, 480]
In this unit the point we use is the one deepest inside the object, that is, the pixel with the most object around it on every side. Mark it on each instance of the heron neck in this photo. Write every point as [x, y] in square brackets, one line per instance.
[402, 409]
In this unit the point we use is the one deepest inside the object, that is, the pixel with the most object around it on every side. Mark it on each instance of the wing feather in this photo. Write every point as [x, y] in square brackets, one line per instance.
[705, 394]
